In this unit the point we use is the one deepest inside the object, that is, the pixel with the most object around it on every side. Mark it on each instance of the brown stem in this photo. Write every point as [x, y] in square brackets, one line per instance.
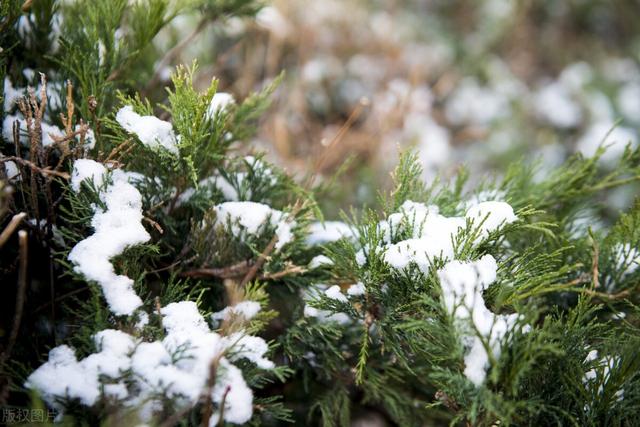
[207, 409]
[294, 269]
[224, 399]
[609, 297]
[10, 228]
[229, 272]
[34, 167]
[20, 295]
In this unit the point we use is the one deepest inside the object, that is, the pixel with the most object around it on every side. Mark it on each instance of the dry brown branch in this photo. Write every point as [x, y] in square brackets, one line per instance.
[20, 294]
[207, 408]
[47, 171]
[229, 272]
[122, 148]
[222, 402]
[607, 297]
[10, 228]
[154, 224]
[293, 269]
[595, 259]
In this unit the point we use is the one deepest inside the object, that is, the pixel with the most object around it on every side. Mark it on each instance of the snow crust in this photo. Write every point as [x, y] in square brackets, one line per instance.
[615, 138]
[221, 101]
[462, 284]
[328, 231]
[319, 261]
[553, 103]
[314, 293]
[150, 130]
[176, 367]
[433, 235]
[246, 309]
[116, 228]
[252, 217]
[428, 236]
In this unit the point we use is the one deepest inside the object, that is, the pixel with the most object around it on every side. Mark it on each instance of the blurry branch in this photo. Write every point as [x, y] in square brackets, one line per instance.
[174, 52]
[10, 228]
[20, 295]
[35, 168]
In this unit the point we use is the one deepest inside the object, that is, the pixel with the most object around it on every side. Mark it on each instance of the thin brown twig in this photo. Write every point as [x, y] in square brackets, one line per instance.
[222, 402]
[175, 51]
[364, 102]
[595, 259]
[20, 295]
[34, 167]
[155, 224]
[605, 296]
[235, 270]
[207, 409]
[11, 227]
[294, 269]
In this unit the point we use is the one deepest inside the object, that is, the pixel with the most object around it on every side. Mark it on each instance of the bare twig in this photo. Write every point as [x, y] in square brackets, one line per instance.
[174, 52]
[230, 272]
[10, 228]
[293, 269]
[20, 295]
[207, 409]
[34, 167]
[608, 297]
[222, 402]
[154, 224]
[595, 259]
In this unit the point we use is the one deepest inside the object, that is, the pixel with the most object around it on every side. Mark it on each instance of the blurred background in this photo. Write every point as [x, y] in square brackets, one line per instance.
[477, 82]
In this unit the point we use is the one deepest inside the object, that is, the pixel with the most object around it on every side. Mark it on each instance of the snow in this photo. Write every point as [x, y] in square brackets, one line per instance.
[475, 104]
[284, 233]
[252, 217]
[220, 102]
[629, 101]
[328, 231]
[63, 376]
[433, 235]
[335, 293]
[273, 20]
[432, 141]
[11, 94]
[418, 251]
[246, 309]
[462, 284]
[11, 170]
[238, 408]
[319, 261]
[627, 258]
[248, 347]
[603, 366]
[137, 373]
[89, 138]
[356, 289]
[151, 131]
[115, 229]
[604, 133]
[494, 214]
[553, 104]
[87, 169]
[48, 131]
[314, 293]
[183, 316]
